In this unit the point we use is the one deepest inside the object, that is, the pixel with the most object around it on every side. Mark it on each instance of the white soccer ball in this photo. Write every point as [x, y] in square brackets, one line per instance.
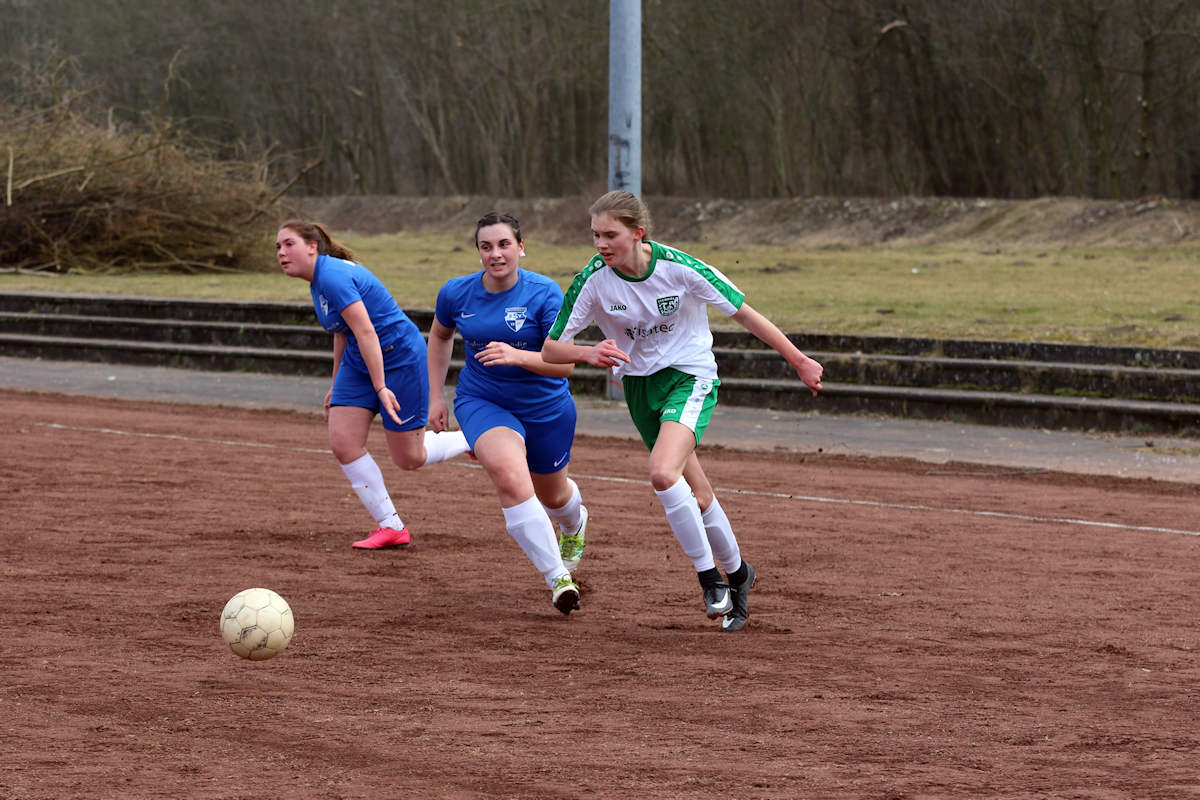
[257, 624]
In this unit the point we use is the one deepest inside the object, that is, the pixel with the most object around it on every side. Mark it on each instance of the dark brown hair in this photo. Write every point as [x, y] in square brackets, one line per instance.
[314, 232]
[496, 218]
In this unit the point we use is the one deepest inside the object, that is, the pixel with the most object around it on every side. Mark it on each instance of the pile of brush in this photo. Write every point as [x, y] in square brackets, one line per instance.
[86, 196]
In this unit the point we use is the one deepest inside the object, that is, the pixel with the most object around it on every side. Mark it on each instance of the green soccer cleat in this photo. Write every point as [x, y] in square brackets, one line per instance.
[571, 545]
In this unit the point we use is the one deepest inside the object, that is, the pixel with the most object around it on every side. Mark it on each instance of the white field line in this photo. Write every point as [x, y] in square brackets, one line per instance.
[179, 438]
[613, 479]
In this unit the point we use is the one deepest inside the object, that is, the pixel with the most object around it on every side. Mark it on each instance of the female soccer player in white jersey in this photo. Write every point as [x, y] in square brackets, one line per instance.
[379, 367]
[650, 301]
[515, 409]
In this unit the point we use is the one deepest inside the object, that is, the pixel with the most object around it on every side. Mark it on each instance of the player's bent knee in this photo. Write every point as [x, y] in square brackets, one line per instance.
[346, 454]
[662, 480]
[408, 462]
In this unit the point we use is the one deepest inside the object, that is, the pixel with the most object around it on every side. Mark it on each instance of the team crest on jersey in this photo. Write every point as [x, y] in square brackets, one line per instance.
[515, 318]
[668, 305]
[324, 305]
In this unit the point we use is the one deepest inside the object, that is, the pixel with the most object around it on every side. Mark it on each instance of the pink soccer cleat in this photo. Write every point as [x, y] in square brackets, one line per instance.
[383, 538]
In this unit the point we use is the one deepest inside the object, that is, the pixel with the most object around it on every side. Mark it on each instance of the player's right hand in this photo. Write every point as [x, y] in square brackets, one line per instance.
[390, 404]
[606, 354]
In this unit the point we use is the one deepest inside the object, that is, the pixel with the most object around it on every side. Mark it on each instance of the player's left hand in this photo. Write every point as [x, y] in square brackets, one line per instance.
[810, 372]
[498, 353]
[439, 415]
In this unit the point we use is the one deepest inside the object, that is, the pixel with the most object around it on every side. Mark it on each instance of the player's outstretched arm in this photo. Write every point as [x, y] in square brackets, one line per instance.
[604, 354]
[809, 370]
[502, 353]
[359, 320]
[437, 353]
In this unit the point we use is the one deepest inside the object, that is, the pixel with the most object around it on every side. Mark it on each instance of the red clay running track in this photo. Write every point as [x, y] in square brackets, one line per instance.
[917, 632]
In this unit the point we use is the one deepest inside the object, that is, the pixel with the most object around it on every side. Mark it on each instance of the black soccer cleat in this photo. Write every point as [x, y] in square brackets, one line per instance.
[718, 600]
[735, 620]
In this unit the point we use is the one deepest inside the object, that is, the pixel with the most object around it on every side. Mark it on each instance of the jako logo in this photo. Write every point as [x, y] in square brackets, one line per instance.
[618, 307]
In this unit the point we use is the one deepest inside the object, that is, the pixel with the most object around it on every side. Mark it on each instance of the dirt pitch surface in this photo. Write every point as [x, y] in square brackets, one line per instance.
[916, 632]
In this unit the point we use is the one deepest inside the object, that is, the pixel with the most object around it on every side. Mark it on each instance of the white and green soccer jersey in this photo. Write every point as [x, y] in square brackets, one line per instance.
[660, 319]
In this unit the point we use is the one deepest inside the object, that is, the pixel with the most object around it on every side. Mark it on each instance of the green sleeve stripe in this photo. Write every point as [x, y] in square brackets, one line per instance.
[727, 290]
[572, 294]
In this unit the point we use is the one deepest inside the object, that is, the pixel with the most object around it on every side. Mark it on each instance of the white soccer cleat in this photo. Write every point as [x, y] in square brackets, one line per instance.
[566, 594]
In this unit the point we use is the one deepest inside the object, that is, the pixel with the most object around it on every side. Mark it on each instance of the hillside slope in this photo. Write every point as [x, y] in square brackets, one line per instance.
[1150, 222]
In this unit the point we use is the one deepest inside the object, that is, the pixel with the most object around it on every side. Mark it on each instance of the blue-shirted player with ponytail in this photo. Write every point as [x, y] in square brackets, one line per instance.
[515, 409]
[379, 367]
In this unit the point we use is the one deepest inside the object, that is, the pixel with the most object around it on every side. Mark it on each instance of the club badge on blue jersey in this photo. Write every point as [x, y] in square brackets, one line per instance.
[515, 318]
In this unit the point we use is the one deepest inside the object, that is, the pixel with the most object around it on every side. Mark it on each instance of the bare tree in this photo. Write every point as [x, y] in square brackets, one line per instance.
[1008, 98]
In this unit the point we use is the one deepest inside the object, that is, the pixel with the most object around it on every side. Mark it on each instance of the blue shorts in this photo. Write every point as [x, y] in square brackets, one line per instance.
[409, 382]
[547, 443]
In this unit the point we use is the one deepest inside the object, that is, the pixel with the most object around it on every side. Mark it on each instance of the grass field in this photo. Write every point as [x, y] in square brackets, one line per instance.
[1078, 295]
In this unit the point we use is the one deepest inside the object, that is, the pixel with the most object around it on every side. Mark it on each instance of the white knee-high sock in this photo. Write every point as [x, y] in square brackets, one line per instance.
[720, 537]
[683, 515]
[444, 445]
[567, 516]
[367, 481]
[528, 524]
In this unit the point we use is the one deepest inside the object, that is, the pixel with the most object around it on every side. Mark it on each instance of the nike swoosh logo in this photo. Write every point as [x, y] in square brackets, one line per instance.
[562, 459]
[465, 315]
[408, 419]
[722, 599]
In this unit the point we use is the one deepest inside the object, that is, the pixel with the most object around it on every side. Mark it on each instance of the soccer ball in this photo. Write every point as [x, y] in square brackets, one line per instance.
[257, 624]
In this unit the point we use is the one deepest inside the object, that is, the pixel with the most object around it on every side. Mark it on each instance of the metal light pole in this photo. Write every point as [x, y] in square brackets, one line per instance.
[624, 113]
[625, 95]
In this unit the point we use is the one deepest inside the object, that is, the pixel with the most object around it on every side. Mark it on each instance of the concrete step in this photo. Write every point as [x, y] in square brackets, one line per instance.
[300, 313]
[1001, 408]
[1033, 377]
[991, 408]
[218, 358]
[259, 311]
[1010, 383]
[1131, 356]
[168, 331]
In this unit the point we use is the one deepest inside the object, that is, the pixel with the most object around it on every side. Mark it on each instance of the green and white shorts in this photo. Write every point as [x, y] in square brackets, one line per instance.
[669, 395]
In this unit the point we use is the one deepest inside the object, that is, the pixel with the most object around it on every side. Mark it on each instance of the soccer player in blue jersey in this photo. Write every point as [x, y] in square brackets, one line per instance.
[515, 409]
[653, 300]
[379, 367]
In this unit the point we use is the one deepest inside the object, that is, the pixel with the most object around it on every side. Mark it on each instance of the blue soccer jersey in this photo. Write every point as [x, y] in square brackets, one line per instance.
[521, 317]
[337, 284]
